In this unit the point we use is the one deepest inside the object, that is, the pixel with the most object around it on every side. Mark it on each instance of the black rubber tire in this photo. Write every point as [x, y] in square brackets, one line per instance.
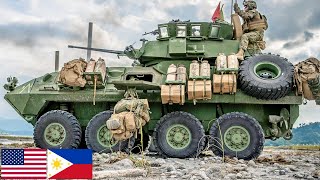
[91, 135]
[67, 120]
[267, 89]
[243, 120]
[137, 147]
[188, 120]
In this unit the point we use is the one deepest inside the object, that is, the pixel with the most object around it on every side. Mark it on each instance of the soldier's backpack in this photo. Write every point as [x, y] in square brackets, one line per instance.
[71, 73]
[306, 72]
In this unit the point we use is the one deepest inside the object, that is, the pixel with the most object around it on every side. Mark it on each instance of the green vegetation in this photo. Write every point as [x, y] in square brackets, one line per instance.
[305, 134]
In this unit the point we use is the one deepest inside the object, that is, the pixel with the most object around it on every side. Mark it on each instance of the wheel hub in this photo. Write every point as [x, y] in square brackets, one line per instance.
[55, 134]
[178, 136]
[267, 70]
[104, 137]
[237, 138]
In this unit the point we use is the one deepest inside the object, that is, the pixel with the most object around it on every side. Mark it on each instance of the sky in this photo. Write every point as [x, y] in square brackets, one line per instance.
[31, 30]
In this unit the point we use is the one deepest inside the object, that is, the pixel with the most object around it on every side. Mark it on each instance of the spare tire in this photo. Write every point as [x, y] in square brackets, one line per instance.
[266, 76]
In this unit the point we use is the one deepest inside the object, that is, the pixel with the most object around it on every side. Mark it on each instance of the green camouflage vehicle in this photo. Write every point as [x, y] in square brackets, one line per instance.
[263, 106]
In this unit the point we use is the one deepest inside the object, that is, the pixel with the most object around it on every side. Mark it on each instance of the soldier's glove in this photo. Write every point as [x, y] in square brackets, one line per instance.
[236, 8]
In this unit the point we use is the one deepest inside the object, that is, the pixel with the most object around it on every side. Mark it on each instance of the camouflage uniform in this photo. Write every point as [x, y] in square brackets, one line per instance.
[251, 33]
[251, 36]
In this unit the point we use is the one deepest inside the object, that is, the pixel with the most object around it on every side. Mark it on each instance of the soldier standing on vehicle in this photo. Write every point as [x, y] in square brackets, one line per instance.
[254, 25]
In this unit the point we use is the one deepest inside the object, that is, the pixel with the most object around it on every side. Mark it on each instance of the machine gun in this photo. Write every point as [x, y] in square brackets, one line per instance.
[130, 52]
[155, 32]
[119, 53]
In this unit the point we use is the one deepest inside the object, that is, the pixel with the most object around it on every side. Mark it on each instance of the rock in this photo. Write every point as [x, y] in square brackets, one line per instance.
[170, 168]
[120, 173]
[251, 163]
[157, 163]
[241, 161]
[282, 172]
[287, 170]
[298, 175]
[105, 155]
[205, 159]
[276, 165]
[213, 172]
[180, 165]
[96, 157]
[316, 174]
[231, 176]
[246, 175]
[197, 173]
[202, 163]
[125, 163]
[203, 175]
[173, 176]
[239, 175]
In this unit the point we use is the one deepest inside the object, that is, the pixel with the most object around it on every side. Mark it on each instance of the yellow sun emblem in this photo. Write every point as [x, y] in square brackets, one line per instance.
[56, 164]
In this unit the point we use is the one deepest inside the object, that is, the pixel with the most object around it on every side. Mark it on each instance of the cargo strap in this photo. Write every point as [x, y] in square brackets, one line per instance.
[181, 102]
[95, 89]
[170, 100]
[233, 80]
[194, 92]
[221, 84]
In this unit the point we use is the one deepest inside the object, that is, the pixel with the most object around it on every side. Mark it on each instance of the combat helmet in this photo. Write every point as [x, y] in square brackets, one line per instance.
[250, 4]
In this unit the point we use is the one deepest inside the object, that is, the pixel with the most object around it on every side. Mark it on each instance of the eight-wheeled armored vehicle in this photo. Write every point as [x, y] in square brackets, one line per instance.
[193, 92]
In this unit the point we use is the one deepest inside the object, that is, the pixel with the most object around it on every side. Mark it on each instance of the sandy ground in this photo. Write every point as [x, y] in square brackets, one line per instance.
[272, 164]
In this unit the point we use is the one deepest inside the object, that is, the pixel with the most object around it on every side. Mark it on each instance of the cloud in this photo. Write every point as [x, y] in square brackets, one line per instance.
[288, 24]
[31, 34]
[306, 38]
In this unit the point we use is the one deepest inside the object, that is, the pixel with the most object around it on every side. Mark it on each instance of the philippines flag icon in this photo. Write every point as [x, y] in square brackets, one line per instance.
[69, 164]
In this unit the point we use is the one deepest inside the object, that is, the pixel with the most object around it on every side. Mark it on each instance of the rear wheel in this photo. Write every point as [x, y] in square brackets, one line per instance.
[99, 138]
[179, 135]
[242, 136]
[57, 129]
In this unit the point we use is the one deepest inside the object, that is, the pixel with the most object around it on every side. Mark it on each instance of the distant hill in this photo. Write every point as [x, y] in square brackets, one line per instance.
[2, 132]
[15, 127]
[308, 134]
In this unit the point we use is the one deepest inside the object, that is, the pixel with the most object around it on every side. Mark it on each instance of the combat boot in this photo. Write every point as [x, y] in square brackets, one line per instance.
[240, 54]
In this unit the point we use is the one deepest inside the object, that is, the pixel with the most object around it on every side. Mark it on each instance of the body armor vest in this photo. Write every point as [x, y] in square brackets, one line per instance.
[257, 23]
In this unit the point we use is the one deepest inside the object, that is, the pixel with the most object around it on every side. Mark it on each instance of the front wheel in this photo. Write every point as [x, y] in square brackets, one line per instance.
[237, 135]
[57, 129]
[99, 138]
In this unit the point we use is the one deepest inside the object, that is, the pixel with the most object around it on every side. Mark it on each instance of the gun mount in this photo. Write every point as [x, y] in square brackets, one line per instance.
[129, 51]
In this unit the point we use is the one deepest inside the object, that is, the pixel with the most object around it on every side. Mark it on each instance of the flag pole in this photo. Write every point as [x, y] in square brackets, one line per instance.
[231, 11]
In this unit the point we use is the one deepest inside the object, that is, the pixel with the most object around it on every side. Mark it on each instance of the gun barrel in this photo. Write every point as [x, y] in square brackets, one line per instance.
[97, 49]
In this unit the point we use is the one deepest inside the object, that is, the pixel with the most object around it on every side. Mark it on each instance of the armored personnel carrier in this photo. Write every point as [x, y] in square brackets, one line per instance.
[185, 90]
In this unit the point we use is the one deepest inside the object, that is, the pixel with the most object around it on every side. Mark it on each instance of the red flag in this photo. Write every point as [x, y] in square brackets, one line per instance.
[216, 13]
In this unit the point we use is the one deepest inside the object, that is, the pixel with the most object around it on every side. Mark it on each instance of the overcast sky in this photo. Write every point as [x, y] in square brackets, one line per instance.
[31, 30]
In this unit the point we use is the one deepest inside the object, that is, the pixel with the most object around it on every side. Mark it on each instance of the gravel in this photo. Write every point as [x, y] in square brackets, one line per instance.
[272, 164]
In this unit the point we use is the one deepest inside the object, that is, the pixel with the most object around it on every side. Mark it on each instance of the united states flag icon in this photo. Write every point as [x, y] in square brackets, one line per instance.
[23, 164]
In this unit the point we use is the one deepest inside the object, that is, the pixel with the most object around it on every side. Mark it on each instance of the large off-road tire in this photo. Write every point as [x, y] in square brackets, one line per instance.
[179, 135]
[242, 136]
[99, 138]
[266, 76]
[57, 129]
